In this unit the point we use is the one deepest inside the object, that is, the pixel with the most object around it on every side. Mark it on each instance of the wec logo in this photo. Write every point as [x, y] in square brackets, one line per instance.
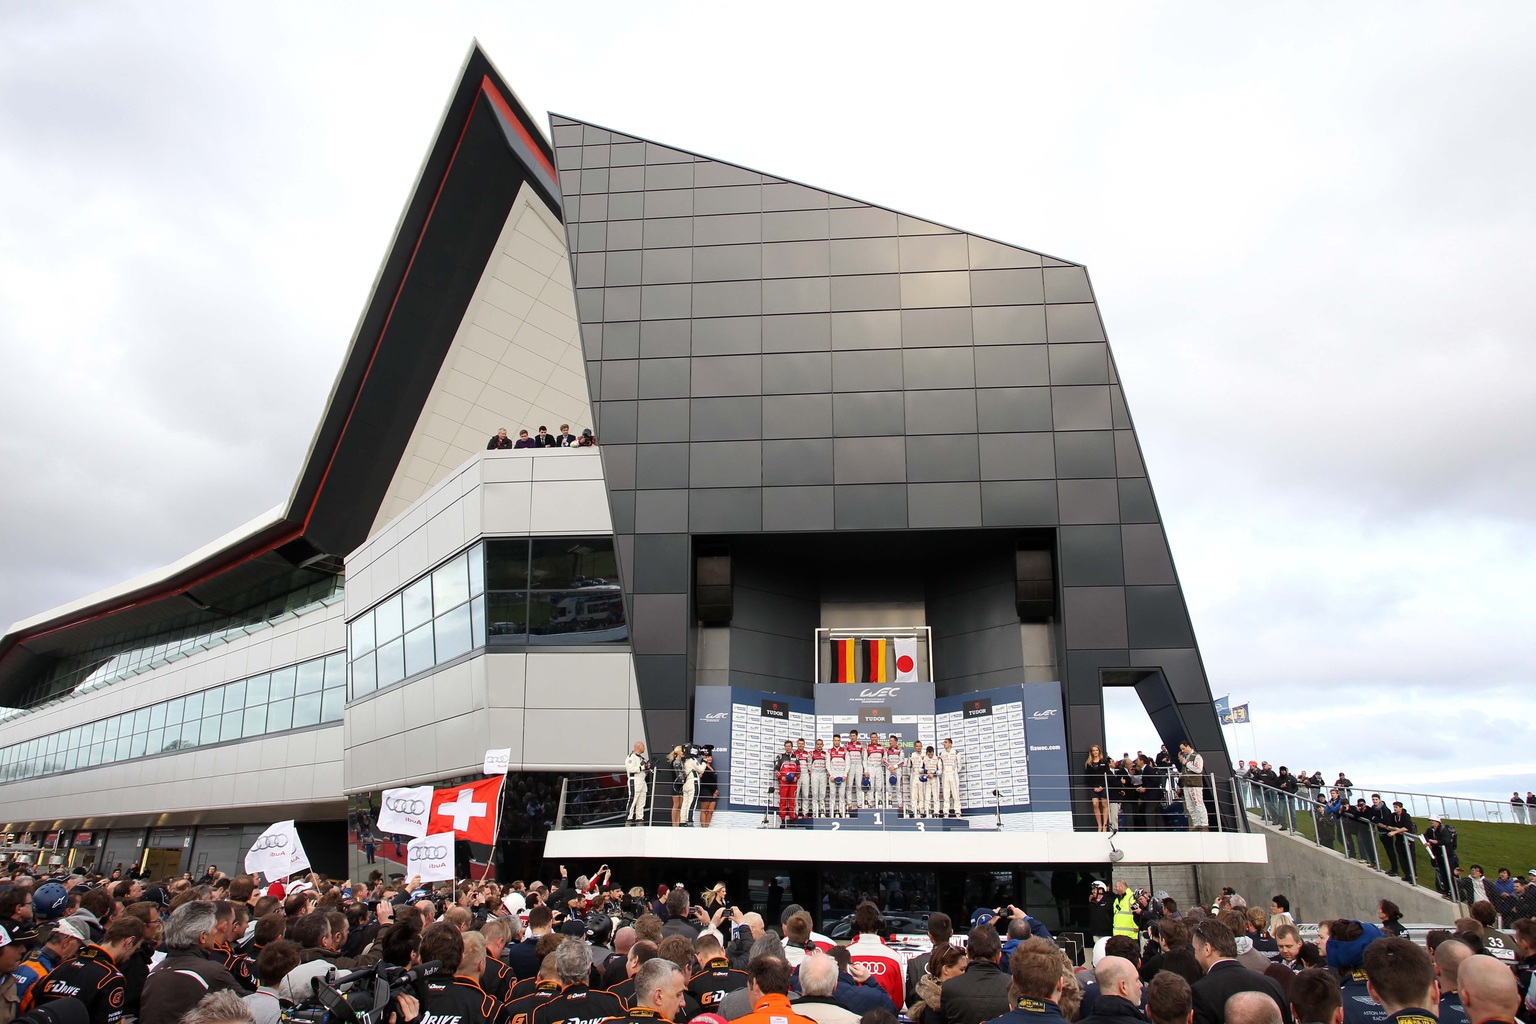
[400, 805]
[884, 691]
[270, 843]
[718, 716]
[420, 853]
[1040, 715]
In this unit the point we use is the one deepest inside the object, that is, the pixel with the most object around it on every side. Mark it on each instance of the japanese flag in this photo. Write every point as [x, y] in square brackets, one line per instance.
[906, 659]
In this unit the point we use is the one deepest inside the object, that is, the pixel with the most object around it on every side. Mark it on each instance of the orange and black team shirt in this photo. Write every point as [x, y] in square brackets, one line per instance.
[625, 990]
[578, 1004]
[717, 980]
[639, 1015]
[93, 978]
[520, 1009]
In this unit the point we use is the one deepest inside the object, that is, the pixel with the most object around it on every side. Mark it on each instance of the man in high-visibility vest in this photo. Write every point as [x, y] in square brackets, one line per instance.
[1125, 911]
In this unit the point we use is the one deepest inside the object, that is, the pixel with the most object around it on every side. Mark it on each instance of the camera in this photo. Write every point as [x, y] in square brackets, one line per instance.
[362, 1002]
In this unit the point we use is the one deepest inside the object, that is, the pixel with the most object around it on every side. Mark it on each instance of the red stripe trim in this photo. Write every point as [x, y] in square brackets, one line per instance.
[499, 102]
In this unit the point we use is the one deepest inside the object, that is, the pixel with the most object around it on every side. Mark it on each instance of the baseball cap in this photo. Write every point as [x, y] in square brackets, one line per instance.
[299, 887]
[1099, 885]
[163, 898]
[983, 916]
[73, 930]
[1531, 873]
[274, 890]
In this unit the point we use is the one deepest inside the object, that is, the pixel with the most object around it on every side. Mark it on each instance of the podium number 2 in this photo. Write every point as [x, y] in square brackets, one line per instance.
[922, 827]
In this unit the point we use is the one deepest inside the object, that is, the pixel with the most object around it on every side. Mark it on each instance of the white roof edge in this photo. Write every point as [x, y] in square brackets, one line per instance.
[267, 519]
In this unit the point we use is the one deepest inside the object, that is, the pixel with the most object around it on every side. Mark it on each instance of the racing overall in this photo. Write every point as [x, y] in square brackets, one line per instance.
[787, 769]
[931, 791]
[818, 783]
[857, 794]
[917, 786]
[949, 782]
[803, 787]
[635, 766]
[891, 761]
[692, 768]
[874, 767]
[837, 769]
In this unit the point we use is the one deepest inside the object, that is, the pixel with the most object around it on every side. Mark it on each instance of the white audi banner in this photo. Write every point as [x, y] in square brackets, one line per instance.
[431, 857]
[403, 812]
[498, 760]
[277, 852]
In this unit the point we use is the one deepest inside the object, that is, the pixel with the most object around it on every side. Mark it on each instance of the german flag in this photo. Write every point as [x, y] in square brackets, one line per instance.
[845, 667]
[877, 660]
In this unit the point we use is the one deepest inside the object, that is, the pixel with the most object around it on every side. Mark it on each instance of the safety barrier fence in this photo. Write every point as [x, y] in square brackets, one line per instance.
[608, 800]
[1421, 806]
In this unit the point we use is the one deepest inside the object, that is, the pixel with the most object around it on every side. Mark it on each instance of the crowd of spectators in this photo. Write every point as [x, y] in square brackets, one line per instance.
[543, 439]
[585, 950]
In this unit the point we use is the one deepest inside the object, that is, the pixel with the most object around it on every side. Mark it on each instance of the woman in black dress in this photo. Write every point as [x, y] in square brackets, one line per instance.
[709, 788]
[1096, 771]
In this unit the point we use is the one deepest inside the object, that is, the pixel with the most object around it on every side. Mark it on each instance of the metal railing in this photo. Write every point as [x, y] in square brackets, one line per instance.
[1345, 829]
[607, 800]
[1422, 805]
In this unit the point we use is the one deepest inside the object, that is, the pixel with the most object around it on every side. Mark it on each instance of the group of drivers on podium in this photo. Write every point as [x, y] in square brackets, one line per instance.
[829, 782]
[822, 781]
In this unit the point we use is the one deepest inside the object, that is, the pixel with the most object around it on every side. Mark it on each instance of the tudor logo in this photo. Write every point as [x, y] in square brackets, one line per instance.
[277, 842]
[428, 852]
[1040, 715]
[401, 805]
[718, 716]
[882, 692]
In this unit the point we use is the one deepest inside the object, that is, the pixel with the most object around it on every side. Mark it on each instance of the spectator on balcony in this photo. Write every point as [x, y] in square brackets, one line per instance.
[524, 441]
[586, 440]
[565, 439]
[544, 439]
[500, 440]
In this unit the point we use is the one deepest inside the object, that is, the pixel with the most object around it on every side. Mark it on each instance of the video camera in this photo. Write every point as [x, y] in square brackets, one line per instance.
[363, 1003]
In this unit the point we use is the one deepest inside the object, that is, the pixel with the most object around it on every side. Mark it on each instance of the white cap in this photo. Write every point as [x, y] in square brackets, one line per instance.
[514, 902]
[73, 930]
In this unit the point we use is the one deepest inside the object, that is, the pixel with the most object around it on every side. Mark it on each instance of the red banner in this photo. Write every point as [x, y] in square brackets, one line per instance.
[468, 811]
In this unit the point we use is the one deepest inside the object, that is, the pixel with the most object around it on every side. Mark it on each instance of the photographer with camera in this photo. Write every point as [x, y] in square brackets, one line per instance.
[454, 995]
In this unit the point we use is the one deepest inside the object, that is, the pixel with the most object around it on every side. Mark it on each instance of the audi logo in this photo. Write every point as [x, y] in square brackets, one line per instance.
[400, 805]
[270, 843]
[876, 967]
[428, 853]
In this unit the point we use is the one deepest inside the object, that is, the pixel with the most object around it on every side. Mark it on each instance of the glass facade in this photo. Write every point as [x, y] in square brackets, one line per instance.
[122, 657]
[506, 593]
[294, 697]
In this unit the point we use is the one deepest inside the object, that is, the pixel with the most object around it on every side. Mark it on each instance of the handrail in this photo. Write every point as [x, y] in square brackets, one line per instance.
[604, 800]
[1422, 804]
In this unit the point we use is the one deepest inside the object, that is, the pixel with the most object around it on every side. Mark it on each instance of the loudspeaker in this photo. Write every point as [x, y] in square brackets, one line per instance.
[712, 586]
[1035, 580]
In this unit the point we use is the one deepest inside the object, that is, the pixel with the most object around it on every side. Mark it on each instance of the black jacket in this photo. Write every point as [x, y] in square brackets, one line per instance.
[522, 958]
[1225, 979]
[1113, 1010]
[453, 1000]
[978, 995]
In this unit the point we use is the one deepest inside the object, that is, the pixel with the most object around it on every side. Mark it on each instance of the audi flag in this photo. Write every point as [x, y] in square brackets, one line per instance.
[277, 853]
[431, 857]
[403, 812]
[470, 810]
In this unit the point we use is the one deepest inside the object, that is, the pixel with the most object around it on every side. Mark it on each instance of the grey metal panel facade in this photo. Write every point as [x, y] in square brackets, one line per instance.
[773, 358]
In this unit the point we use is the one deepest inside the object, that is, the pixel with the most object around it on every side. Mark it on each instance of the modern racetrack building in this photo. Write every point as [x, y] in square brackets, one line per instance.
[816, 415]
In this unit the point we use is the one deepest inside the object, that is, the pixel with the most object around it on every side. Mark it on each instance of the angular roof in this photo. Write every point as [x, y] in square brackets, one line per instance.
[486, 150]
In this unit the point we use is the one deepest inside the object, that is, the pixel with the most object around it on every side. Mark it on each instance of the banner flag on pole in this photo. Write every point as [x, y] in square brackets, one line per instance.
[469, 811]
[498, 761]
[1223, 709]
[277, 852]
[845, 667]
[403, 812]
[877, 660]
[906, 659]
[431, 857]
[1235, 716]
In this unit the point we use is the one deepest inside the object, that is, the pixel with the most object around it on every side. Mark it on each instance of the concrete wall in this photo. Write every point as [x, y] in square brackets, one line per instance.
[1322, 884]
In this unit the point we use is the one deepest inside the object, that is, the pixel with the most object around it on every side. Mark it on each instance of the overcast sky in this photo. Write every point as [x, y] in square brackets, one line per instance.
[1309, 226]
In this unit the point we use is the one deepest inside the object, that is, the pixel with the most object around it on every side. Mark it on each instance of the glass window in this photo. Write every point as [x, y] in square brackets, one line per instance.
[190, 730]
[280, 715]
[141, 720]
[565, 563]
[194, 707]
[282, 683]
[417, 600]
[175, 711]
[386, 620]
[154, 741]
[450, 585]
[391, 663]
[332, 704]
[418, 650]
[477, 569]
[362, 633]
[256, 691]
[306, 710]
[71, 760]
[157, 716]
[234, 696]
[364, 677]
[98, 733]
[589, 614]
[255, 721]
[311, 677]
[477, 621]
[124, 744]
[507, 616]
[95, 759]
[210, 733]
[336, 670]
[232, 724]
[453, 634]
[213, 703]
[506, 564]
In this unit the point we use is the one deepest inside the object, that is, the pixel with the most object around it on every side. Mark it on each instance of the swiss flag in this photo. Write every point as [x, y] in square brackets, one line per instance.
[468, 811]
